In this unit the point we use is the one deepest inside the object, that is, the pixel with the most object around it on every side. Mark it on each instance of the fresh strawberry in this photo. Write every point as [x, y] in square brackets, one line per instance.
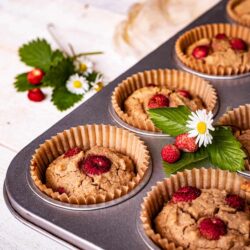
[212, 228]
[235, 201]
[221, 36]
[170, 153]
[238, 44]
[72, 152]
[61, 190]
[186, 194]
[200, 51]
[35, 76]
[96, 165]
[36, 95]
[158, 101]
[185, 143]
[184, 93]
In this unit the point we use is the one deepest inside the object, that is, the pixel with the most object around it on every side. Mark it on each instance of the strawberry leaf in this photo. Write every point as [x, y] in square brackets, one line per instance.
[58, 74]
[21, 83]
[187, 160]
[36, 53]
[225, 151]
[171, 121]
[63, 99]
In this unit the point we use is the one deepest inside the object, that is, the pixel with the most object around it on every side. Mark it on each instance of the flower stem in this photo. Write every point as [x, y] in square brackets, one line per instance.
[87, 54]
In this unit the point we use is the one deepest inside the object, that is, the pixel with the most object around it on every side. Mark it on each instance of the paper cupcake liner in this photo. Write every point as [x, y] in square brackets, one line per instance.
[239, 118]
[209, 31]
[172, 79]
[86, 137]
[233, 15]
[161, 193]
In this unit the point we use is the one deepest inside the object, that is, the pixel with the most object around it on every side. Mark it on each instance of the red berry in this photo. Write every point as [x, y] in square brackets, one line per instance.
[35, 76]
[238, 44]
[235, 201]
[96, 165]
[158, 101]
[184, 93]
[72, 152]
[221, 36]
[151, 85]
[61, 190]
[170, 153]
[186, 194]
[185, 143]
[212, 228]
[200, 51]
[36, 95]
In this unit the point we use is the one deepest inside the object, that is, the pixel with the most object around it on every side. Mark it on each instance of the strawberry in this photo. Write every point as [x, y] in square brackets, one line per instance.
[170, 153]
[158, 101]
[61, 190]
[184, 93]
[200, 51]
[36, 95]
[185, 143]
[72, 152]
[238, 44]
[235, 201]
[212, 228]
[186, 194]
[221, 36]
[35, 76]
[96, 165]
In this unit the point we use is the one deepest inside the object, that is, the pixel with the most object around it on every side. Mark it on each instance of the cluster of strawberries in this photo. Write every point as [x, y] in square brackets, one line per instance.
[210, 228]
[34, 77]
[172, 152]
[202, 51]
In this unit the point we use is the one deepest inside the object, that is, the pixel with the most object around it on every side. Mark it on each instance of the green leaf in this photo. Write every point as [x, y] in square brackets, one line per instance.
[171, 121]
[21, 83]
[187, 160]
[225, 151]
[36, 53]
[58, 74]
[56, 57]
[63, 99]
[92, 76]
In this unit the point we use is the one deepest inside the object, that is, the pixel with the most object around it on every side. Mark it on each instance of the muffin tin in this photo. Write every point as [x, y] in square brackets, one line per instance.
[116, 226]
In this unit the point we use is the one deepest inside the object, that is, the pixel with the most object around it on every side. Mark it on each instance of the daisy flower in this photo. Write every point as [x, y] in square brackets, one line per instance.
[84, 65]
[77, 84]
[98, 83]
[200, 124]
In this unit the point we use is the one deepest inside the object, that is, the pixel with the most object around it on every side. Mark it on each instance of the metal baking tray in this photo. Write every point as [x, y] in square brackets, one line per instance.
[117, 226]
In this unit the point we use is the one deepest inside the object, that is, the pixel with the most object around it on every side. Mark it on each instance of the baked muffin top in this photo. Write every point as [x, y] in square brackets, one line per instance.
[221, 50]
[205, 219]
[97, 171]
[242, 9]
[137, 104]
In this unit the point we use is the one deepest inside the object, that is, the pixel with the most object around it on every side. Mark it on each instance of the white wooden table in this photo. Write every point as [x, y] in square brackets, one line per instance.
[21, 121]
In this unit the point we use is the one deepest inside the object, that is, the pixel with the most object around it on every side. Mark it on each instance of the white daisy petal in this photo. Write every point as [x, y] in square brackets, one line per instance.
[77, 84]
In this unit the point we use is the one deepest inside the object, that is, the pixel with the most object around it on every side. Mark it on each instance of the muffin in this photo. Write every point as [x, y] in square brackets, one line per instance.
[239, 11]
[238, 119]
[89, 164]
[198, 209]
[160, 88]
[216, 49]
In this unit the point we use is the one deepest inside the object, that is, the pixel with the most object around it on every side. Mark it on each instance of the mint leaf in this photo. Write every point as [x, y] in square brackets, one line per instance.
[187, 160]
[21, 83]
[58, 74]
[36, 53]
[225, 151]
[63, 99]
[56, 57]
[171, 121]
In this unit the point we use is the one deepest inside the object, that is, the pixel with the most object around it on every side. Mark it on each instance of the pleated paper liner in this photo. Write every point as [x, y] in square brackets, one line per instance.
[239, 118]
[234, 16]
[161, 193]
[85, 137]
[172, 79]
[209, 31]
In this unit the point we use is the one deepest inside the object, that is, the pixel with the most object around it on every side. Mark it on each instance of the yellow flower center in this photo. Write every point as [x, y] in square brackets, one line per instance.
[202, 127]
[83, 67]
[98, 87]
[77, 84]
